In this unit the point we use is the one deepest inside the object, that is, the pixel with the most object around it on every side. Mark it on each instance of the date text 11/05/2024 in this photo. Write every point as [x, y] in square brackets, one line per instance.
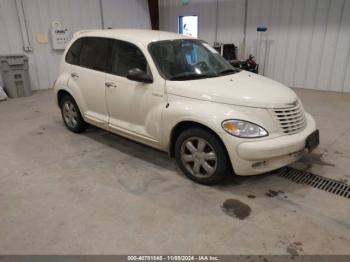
[173, 258]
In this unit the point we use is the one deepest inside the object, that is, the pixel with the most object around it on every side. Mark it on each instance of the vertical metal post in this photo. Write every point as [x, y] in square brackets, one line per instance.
[245, 28]
[216, 21]
[267, 54]
[24, 28]
[102, 17]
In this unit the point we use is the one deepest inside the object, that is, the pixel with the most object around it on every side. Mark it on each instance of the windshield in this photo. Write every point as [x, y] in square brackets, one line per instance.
[188, 59]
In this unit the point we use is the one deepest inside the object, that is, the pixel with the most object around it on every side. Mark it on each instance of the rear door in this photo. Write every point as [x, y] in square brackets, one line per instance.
[135, 108]
[88, 75]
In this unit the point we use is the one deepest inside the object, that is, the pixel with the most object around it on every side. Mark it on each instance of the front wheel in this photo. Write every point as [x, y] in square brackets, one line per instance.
[201, 156]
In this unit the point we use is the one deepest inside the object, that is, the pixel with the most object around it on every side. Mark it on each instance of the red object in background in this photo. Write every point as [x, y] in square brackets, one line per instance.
[251, 61]
[249, 64]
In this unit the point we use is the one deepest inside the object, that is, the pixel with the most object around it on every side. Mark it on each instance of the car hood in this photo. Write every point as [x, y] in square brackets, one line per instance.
[243, 89]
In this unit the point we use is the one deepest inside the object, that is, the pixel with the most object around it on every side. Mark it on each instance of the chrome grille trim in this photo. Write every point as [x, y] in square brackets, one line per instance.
[290, 120]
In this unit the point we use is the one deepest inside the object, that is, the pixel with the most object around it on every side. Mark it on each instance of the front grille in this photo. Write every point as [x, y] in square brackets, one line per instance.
[290, 120]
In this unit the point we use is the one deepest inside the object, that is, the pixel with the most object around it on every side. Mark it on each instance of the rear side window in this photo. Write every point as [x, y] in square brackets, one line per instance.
[94, 53]
[73, 53]
[90, 52]
[128, 56]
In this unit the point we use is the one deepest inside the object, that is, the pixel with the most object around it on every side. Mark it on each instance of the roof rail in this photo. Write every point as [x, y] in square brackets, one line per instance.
[82, 31]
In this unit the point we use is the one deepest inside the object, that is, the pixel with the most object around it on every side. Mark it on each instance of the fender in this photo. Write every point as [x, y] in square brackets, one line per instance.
[62, 83]
[183, 109]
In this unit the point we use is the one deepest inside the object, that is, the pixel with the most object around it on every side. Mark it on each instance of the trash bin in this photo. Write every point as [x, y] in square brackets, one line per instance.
[15, 75]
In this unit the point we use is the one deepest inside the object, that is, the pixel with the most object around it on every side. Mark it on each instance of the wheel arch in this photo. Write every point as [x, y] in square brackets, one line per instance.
[184, 125]
[62, 93]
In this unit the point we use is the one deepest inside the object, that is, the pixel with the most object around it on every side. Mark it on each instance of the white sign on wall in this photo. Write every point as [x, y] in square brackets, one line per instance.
[59, 36]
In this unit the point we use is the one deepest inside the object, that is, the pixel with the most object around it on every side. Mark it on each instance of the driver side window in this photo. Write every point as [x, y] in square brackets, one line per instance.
[127, 56]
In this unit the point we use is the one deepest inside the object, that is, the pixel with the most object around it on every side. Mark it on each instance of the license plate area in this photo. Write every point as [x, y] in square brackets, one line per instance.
[312, 141]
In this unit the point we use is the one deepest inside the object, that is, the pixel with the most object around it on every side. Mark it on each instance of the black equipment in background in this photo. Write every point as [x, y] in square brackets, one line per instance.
[248, 65]
[229, 52]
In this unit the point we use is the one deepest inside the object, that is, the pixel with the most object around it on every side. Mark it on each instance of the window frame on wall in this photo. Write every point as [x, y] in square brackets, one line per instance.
[180, 17]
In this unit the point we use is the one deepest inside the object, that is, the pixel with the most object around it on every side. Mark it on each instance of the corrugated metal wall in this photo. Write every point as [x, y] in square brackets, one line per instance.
[10, 40]
[126, 14]
[308, 41]
[73, 14]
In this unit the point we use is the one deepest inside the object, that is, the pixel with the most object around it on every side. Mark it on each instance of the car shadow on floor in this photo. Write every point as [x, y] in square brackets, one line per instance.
[131, 148]
[259, 185]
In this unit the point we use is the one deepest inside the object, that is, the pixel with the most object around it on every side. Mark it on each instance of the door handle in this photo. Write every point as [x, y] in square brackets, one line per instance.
[74, 75]
[110, 85]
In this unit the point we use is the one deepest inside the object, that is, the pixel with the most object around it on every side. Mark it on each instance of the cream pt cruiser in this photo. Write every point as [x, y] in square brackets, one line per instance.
[176, 94]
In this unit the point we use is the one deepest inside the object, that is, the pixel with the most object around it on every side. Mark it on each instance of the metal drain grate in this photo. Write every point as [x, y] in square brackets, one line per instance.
[319, 182]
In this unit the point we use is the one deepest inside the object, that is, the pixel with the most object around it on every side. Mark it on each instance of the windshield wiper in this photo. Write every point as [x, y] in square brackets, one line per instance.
[191, 76]
[227, 71]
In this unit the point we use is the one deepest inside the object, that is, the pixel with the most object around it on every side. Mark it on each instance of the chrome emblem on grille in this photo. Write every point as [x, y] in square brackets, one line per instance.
[293, 103]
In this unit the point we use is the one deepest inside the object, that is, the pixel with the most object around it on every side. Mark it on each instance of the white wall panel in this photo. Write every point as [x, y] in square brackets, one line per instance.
[309, 41]
[317, 44]
[126, 14]
[330, 43]
[307, 44]
[230, 21]
[10, 40]
[341, 64]
[75, 15]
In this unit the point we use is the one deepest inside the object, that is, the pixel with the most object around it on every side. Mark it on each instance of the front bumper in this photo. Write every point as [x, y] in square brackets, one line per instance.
[251, 157]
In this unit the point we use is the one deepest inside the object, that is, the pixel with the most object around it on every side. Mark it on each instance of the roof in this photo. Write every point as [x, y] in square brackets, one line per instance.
[132, 35]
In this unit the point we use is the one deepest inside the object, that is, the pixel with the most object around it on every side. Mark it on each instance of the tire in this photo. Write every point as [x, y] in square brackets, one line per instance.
[198, 147]
[71, 115]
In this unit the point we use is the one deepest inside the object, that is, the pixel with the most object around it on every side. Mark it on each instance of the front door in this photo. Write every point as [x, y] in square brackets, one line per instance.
[134, 108]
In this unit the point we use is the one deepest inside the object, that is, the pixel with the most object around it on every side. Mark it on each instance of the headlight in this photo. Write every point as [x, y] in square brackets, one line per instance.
[243, 129]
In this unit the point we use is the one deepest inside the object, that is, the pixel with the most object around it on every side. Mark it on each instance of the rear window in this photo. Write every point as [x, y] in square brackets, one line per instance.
[90, 52]
[73, 53]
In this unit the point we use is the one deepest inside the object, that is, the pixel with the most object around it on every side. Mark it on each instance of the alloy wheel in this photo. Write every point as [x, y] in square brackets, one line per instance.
[70, 114]
[198, 157]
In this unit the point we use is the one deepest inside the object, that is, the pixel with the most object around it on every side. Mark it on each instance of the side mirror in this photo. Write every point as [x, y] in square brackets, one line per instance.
[138, 75]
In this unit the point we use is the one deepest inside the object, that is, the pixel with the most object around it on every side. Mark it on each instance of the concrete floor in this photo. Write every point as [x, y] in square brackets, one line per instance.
[97, 193]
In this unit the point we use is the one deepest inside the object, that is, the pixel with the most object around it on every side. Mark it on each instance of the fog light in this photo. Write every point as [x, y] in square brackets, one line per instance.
[259, 164]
